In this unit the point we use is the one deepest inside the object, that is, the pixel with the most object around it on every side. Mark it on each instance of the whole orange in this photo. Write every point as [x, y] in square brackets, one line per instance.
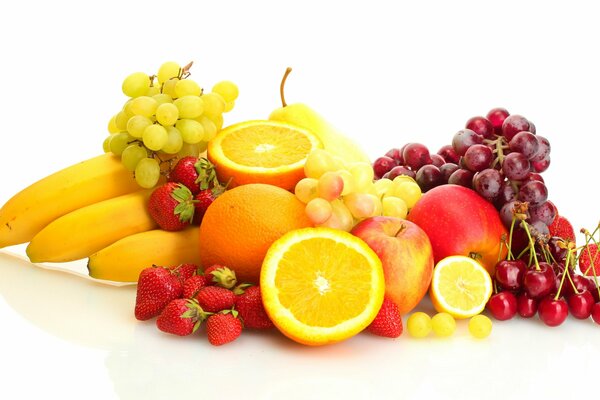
[241, 224]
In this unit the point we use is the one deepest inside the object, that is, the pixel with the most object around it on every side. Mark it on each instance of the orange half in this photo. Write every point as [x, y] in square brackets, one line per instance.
[259, 151]
[321, 285]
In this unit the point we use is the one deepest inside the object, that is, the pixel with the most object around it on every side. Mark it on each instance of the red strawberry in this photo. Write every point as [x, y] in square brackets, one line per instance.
[193, 284]
[221, 276]
[388, 322]
[197, 174]
[185, 271]
[171, 206]
[562, 228]
[589, 260]
[215, 298]
[251, 310]
[181, 317]
[156, 287]
[204, 199]
[223, 328]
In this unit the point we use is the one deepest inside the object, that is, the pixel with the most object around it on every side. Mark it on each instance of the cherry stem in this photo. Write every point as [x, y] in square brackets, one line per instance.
[563, 277]
[510, 236]
[282, 85]
[531, 245]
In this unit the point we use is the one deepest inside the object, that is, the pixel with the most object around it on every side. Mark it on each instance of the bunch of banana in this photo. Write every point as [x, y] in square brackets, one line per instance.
[96, 210]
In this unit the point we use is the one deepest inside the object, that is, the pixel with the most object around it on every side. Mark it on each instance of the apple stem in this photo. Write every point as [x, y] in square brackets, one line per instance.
[402, 227]
[282, 85]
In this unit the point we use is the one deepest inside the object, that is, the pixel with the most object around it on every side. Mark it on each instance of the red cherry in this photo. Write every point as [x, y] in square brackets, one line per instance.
[553, 312]
[526, 306]
[580, 304]
[509, 273]
[593, 289]
[539, 283]
[502, 305]
[579, 281]
[596, 313]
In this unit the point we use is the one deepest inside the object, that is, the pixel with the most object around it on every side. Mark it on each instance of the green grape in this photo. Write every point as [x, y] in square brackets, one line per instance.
[112, 125]
[227, 89]
[229, 106]
[443, 324]
[106, 144]
[214, 105]
[210, 129]
[188, 149]
[168, 87]
[168, 70]
[306, 189]
[218, 121]
[418, 324]
[127, 108]
[144, 105]
[187, 87]
[119, 142]
[154, 137]
[174, 141]
[480, 326]
[147, 172]
[136, 84]
[137, 124]
[132, 155]
[189, 106]
[121, 121]
[153, 91]
[162, 98]
[167, 114]
[191, 130]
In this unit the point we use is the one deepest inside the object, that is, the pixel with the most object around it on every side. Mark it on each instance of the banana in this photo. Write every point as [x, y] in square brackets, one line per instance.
[89, 229]
[79, 185]
[123, 260]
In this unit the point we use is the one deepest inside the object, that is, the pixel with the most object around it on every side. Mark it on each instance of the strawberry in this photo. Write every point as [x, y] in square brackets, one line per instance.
[181, 317]
[171, 206]
[193, 284]
[204, 199]
[589, 260]
[562, 228]
[215, 298]
[157, 286]
[221, 276]
[195, 173]
[223, 328]
[251, 310]
[185, 271]
[388, 322]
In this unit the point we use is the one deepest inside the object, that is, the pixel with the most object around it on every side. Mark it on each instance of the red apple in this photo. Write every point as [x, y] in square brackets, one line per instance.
[406, 255]
[460, 222]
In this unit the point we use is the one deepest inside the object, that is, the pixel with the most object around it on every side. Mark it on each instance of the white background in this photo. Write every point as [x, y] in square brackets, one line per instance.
[384, 73]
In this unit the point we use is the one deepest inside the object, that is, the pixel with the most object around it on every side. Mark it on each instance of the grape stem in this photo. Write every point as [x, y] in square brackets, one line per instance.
[282, 86]
[185, 71]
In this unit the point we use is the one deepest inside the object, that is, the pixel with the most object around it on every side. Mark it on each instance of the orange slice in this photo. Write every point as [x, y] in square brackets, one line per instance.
[269, 152]
[460, 286]
[321, 285]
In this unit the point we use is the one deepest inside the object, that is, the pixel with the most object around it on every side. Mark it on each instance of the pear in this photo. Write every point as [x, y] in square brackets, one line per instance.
[301, 115]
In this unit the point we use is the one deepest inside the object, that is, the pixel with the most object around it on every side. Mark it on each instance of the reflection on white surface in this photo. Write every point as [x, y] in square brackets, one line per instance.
[143, 362]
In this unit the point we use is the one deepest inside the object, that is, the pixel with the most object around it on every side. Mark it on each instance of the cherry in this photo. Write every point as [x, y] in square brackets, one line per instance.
[557, 248]
[553, 312]
[509, 273]
[526, 306]
[593, 289]
[539, 283]
[580, 304]
[580, 283]
[503, 305]
[596, 313]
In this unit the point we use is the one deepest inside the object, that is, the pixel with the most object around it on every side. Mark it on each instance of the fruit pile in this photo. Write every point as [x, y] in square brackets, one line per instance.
[325, 243]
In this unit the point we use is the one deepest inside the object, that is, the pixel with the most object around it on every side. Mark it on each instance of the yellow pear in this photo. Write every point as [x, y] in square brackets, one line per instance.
[301, 115]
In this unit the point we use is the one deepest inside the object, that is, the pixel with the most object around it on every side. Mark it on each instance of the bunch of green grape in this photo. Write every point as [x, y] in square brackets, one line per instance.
[166, 116]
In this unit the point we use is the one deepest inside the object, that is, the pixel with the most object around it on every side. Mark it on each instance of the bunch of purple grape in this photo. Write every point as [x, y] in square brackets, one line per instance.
[500, 156]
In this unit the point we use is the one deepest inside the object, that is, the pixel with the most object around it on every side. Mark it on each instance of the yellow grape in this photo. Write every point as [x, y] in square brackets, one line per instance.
[361, 205]
[341, 218]
[168, 87]
[118, 143]
[144, 105]
[188, 149]
[418, 324]
[191, 130]
[167, 114]
[214, 105]
[229, 106]
[112, 125]
[320, 161]
[162, 98]
[348, 179]
[187, 87]
[330, 186]
[227, 89]
[147, 172]
[121, 121]
[394, 207]
[153, 91]
[137, 124]
[132, 155]
[190, 106]
[168, 70]
[363, 175]
[106, 144]
[408, 191]
[174, 141]
[443, 324]
[218, 121]
[127, 108]
[318, 210]
[306, 189]
[136, 84]
[480, 326]
[382, 186]
[210, 129]
[155, 136]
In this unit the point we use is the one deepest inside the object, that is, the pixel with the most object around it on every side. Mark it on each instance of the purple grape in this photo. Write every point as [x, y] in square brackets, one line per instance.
[396, 155]
[488, 183]
[447, 170]
[507, 193]
[545, 212]
[416, 155]
[481, 126]
[543, 151]
[382, 165]
[437, 160]
[496, 116]
[533, 176]
[428, 177]
[464, 139]
[478, 157]
[514, 124]
[462, 177]
[507, 212]
[540, 166]
[525, 143]
[448, 153]
[515, 166]
[533, 192]
[531, 127]
[397, 171]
